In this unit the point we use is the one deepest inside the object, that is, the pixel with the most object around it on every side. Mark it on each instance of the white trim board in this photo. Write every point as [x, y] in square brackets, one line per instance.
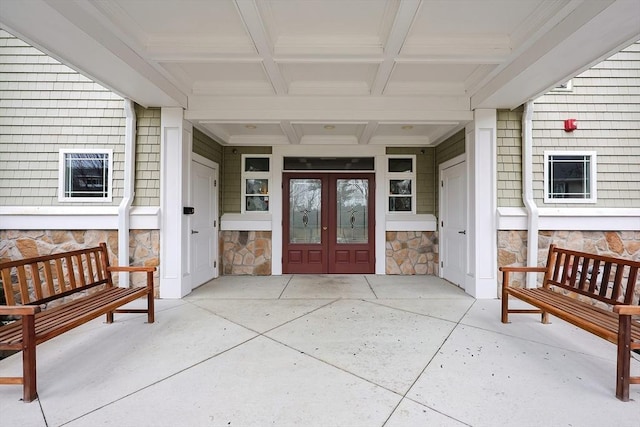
[584, 219]
[76, 218]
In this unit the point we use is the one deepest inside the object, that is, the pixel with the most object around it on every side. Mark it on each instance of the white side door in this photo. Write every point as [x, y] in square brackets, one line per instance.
[453, 223]
[204, 222]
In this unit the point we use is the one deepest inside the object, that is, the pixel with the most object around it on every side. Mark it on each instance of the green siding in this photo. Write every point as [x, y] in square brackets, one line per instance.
[206, 147]
[509, 157]
[147, 181]
[232, 176]
[425, 177]
[450, 148]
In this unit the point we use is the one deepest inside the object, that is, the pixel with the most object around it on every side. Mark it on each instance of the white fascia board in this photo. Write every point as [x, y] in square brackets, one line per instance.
[585, 219]
[75, 218]
[245, 222]
[408, 222]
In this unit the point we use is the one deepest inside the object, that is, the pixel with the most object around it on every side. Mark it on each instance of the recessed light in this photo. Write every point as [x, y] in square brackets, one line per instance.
[407, 127]
[329, 127]
[250, 126]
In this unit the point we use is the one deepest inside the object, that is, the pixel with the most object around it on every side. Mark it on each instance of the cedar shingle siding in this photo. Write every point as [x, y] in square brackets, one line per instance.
[605, 100]
[46, 106]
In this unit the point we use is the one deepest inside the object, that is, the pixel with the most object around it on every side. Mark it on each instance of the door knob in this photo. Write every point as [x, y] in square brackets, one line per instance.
[462, 232]
[194, 232]
[324, 228]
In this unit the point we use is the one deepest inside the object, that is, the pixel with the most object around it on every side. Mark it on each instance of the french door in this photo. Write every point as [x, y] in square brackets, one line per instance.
[328, 223]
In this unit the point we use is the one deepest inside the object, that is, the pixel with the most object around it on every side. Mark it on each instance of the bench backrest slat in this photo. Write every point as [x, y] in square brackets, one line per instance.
[603, 278]
[42, 279]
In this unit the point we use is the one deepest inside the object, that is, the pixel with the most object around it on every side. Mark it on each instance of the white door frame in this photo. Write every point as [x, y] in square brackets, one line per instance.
[441, 198]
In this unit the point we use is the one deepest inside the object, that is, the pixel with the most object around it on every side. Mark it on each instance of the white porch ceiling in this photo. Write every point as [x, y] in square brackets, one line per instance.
[265, 72]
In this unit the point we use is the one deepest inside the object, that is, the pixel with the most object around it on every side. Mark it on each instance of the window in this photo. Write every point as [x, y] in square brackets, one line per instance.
[401, 178]
[570, 177]
[85, 175]
[256, 179]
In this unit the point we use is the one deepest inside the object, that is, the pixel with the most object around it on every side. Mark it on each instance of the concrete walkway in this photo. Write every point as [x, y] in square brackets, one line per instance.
[323, 351]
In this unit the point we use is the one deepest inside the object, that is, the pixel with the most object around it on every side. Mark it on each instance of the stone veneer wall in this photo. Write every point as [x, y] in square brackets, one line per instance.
[144, 246]
[246, 252]
[512, 246]
[411, 252]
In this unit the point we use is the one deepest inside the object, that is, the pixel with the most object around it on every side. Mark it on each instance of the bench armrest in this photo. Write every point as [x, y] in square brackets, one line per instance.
[523, 269]
[131, 269]
[627, 309]
[19, 310]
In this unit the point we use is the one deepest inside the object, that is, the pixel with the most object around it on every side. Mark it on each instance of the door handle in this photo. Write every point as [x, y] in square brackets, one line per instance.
[462, 232]
[194, 232]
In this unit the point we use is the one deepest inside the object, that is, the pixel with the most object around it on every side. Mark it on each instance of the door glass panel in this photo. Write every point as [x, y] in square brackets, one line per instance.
[305, 205]
[352, 210]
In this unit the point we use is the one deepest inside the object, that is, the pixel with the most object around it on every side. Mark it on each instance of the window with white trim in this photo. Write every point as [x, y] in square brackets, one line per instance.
[256, 182]
[570, 177]
[401, 179]
[85, 175]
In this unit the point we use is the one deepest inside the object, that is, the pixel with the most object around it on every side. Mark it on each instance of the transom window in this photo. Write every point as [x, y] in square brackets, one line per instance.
[85, 175]
[570, 177]
[256, 179]
[401, 178]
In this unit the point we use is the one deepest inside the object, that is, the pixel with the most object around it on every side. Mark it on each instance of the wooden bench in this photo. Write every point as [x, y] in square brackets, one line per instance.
[53, 294]
[592, 292]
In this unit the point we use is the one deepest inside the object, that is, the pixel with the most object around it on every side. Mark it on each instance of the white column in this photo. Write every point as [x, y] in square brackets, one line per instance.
[481, 280]
[175, 152]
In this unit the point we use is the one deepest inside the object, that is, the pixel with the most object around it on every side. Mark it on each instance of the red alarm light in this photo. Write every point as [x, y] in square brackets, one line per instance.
[570, 125]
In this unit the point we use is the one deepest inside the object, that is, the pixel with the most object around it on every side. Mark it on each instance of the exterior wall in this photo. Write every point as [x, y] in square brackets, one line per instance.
[509, 166]
[426, 176]
[47, 106]
[207, 147]
[246, 252]
[147, 174]
[605, 100]
[411, 252]
[231, 176]
[144, 246]
[512, 247]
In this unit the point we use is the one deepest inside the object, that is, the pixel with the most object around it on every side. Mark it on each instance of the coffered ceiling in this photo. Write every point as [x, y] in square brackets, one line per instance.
[265, 72]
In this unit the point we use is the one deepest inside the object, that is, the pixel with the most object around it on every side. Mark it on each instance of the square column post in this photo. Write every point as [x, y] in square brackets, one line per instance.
[481, 277]
[175, 152]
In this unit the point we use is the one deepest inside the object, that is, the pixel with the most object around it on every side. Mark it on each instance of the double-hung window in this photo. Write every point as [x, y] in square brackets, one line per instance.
[401, 179]
[570, 177]
[85, 175]
[256, 180]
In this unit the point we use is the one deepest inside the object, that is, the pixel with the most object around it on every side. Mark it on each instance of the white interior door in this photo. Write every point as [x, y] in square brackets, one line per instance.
[453, 223]
[204, 224]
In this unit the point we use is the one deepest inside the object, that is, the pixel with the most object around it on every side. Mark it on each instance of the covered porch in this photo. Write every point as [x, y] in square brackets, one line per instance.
[323, 350]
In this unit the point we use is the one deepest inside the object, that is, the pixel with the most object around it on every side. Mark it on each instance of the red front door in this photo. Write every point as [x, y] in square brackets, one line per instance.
[328, 223]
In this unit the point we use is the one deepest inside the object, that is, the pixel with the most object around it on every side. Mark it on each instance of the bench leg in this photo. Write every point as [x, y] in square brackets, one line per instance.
[545, 318]
[150, 301]
[29, 387]
[624, 358]
[110, 317]
[505, 297]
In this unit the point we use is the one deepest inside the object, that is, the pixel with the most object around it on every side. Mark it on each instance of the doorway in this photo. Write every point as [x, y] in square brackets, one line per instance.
[204, 221]
[328, 223]
[453, 222]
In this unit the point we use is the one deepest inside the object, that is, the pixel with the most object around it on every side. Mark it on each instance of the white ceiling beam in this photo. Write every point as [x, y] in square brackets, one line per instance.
[255, 27]
[70, 33]
[329, 108]
[399, 31]
[290, 132]
[562, 52]
[368, 132]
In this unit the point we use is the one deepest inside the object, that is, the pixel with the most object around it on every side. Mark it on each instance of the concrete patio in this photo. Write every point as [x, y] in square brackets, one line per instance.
[323, 351]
